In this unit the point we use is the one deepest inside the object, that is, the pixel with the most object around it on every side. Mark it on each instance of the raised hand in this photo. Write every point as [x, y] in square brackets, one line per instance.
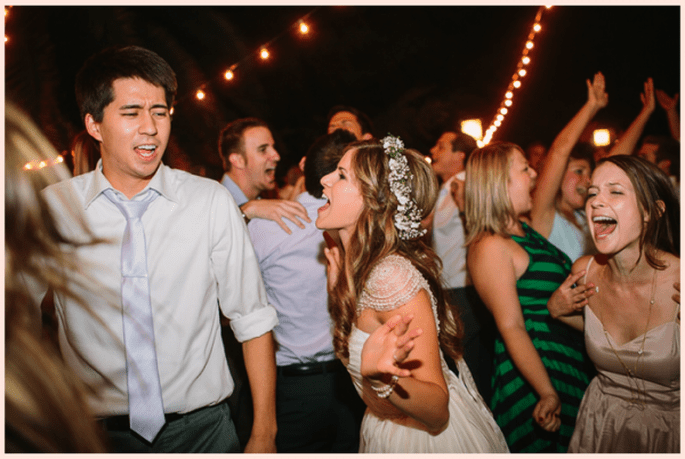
[387, 347]
[666, 102]
[334, 257]
[570, 297]
[596, 94]
[647, 97]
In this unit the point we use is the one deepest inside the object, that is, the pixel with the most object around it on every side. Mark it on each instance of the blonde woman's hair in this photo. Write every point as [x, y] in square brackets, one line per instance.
[45, 404]
[488, 207]
[376, 237]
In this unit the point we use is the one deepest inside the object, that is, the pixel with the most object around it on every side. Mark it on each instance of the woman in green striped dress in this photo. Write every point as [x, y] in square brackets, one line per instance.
[541, 370]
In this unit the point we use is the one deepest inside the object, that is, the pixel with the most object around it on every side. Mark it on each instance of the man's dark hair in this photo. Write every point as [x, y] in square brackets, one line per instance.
[464, 143]
[322, 158]
[363, 120]
[231, 138]
[94, 80]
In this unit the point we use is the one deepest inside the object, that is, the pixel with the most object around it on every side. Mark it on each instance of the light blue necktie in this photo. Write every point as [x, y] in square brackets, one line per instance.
[146, 410]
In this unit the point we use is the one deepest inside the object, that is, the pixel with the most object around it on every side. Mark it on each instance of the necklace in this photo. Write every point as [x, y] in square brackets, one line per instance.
[638, 394]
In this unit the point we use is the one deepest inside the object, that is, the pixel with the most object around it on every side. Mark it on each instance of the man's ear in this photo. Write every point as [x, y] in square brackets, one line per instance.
[237, 160]
[93, 127]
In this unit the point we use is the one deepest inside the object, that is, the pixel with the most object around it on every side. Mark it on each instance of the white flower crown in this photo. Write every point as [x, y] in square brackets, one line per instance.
[408, 215]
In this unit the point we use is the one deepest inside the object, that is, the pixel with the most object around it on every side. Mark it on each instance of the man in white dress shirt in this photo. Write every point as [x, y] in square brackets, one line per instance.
[198, 254]
[449, 157]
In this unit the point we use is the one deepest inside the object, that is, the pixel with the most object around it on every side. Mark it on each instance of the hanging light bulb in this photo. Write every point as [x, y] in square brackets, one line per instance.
[304, 28]
[200, 94]
[537, 27]
[229, 75]
[529, 44]
[522, 72]
[525, 60]
[509, 95]
[517, 84]
[508, 102]
[264, 53]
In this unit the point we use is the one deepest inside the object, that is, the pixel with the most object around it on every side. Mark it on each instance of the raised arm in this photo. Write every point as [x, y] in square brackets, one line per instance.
[669, 106]
[626, 144]
[491, 258]
[550, 178]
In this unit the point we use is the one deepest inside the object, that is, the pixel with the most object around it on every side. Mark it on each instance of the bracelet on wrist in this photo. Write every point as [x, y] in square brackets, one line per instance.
[386, 390]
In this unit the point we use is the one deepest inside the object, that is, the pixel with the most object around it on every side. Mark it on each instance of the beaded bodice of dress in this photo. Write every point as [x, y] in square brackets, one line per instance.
[393, 282]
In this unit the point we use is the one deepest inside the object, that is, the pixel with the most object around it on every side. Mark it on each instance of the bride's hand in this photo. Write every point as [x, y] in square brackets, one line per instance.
[387, 347]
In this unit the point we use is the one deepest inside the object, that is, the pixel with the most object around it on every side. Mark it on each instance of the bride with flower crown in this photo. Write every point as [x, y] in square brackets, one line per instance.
[390, 316]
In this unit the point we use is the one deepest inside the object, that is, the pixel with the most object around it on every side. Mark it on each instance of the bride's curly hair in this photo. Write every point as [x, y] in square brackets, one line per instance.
[375, 237]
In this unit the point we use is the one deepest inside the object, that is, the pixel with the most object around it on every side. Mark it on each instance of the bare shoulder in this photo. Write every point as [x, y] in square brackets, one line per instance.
[490, 245]
[581, 263]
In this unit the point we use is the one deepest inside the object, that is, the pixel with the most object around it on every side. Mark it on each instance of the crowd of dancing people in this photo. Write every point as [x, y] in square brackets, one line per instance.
[490, 300]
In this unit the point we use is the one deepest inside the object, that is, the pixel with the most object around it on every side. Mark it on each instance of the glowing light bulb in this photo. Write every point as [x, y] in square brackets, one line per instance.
[264, 53]
[503, 111]
[473, 128]
[229, 74]
[522, 72]
[59, 159]
[601, 137]
[529, 44]
[200, 94]
[509, 95]
[537, 27]
[508, 103]
[500, 117]
[6, 39]
[525, 60]
[304, 28]
[497, 123]
[517, 84]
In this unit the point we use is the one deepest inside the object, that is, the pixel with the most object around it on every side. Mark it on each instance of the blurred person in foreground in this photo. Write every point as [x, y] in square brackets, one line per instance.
[45, 403]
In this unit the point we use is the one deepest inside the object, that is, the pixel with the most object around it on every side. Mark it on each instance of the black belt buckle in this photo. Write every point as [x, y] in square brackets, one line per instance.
[307, 369]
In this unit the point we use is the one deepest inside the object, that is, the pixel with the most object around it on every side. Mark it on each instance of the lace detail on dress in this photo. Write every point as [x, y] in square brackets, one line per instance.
[393, 282]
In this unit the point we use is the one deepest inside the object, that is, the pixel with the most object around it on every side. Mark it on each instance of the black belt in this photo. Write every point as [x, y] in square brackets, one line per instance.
[314, 368]
[122, 422]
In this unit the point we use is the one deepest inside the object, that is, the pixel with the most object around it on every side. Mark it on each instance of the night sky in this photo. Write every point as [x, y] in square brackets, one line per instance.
[414, 70]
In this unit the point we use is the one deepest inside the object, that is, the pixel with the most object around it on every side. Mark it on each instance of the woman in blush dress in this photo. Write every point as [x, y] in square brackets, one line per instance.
[632, 322]
[388, 308]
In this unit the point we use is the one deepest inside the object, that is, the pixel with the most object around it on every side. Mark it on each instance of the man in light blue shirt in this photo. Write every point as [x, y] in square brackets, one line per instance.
[249, 157]
[317, 407]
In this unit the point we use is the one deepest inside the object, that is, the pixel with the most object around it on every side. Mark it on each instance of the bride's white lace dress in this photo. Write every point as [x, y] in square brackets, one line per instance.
[472, 429]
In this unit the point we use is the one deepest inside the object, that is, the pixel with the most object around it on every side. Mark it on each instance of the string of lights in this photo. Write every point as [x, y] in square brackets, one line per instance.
[301, 26]
[7, 12]
[516, 79]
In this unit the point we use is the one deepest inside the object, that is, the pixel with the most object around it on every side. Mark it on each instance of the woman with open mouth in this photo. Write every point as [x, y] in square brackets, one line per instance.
[632, 321]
